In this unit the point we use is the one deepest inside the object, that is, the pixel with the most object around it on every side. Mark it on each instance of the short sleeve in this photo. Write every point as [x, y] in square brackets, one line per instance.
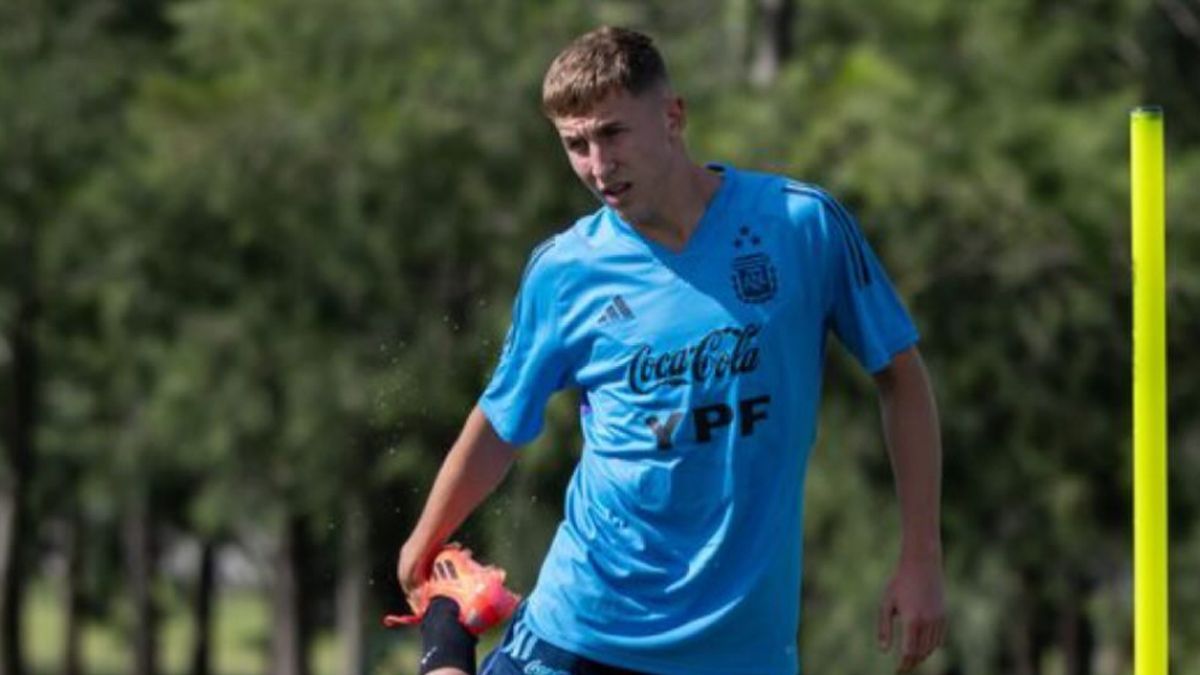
[532, 362]
[865, 312]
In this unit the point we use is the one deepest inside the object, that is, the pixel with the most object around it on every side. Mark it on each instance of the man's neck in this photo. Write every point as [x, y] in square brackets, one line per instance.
[685, 199]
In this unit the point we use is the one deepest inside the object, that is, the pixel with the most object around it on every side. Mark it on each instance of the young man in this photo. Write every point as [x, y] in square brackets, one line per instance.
[691, 311]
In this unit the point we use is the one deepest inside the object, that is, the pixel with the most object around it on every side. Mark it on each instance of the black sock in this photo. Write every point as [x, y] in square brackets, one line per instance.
[445, 643]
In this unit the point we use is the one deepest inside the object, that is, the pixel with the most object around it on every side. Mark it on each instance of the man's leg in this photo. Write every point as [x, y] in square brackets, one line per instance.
[447, 647]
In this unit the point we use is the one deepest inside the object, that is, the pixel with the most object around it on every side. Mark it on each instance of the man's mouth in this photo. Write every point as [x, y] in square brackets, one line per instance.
[615, 191]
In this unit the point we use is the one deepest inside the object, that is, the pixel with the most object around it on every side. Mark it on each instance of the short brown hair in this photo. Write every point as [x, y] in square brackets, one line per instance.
[597, 63]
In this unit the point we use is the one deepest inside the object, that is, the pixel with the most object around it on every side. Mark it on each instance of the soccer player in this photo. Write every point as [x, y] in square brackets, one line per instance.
[691, 312]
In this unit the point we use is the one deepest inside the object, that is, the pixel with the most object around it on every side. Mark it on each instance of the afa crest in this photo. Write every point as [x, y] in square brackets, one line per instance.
[754, 278]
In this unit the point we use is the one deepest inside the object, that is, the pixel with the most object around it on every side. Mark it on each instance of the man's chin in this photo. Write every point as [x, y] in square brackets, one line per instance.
[627, 214]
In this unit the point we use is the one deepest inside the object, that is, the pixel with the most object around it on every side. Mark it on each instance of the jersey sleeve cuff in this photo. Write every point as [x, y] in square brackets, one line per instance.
[502, 424]
[885, 356]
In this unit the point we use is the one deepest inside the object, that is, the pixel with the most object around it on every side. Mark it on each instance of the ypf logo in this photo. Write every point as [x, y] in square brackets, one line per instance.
[707, 420]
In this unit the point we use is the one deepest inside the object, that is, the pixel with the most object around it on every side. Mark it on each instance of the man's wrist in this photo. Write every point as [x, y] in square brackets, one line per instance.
[420, 548]
[921, 549]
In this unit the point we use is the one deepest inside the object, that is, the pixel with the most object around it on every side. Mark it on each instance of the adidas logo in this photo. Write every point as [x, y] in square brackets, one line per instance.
[616, 311]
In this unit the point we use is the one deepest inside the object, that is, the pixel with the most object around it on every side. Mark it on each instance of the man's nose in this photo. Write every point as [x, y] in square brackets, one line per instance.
[601, 160]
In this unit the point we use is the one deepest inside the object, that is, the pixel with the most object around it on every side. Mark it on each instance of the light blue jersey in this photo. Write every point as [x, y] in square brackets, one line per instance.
[700, 376]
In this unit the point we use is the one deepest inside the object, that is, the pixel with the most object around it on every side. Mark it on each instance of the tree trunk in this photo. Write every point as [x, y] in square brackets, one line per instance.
[19, 426]
[289, 636]
[351, 591]
[1020, 652]
[772, 41]
[206, 580]
[142, 553]
[1029, 633]
[73, 596]
[1076, 636]
[12, 543]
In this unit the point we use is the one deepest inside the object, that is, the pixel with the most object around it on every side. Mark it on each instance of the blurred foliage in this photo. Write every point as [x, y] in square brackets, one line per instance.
[275, 242]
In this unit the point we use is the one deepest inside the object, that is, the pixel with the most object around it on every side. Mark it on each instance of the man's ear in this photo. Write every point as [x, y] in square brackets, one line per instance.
[676, 113]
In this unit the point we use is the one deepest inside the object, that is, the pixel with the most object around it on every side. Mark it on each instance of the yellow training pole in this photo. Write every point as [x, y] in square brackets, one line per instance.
[1149, 394]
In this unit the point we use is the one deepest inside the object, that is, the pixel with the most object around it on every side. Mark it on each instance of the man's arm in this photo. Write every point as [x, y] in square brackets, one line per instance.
[475, 465]
[915, 591]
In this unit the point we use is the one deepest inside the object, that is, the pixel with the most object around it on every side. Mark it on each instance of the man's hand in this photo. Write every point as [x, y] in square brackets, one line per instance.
[915, 596]
[478, 590]
[412, 567]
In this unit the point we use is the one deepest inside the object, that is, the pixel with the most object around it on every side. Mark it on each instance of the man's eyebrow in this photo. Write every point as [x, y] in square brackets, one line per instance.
[598, 128]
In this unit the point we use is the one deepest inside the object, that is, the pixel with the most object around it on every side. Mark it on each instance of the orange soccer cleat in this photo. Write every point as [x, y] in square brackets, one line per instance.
[479, 590]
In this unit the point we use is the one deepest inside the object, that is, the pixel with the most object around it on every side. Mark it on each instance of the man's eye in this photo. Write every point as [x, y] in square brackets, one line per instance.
[576, 146]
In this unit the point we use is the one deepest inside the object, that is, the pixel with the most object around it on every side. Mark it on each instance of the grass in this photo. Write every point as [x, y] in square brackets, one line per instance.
[241, 638]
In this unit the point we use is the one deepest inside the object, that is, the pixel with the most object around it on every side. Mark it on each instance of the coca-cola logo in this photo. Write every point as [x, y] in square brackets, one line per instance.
[723, 353]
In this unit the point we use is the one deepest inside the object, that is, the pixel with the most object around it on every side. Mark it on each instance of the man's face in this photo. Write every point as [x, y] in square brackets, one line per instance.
[624, 148]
